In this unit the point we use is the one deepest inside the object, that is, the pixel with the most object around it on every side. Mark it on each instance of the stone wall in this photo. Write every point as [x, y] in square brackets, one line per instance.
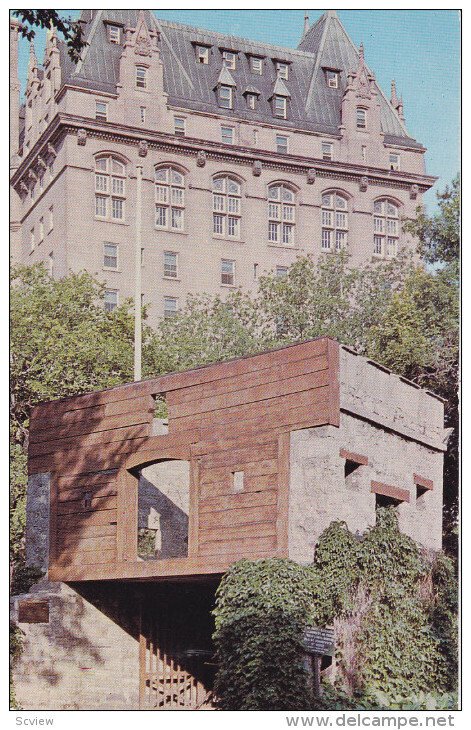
[37, 521]
[399, 428]
[86, 656]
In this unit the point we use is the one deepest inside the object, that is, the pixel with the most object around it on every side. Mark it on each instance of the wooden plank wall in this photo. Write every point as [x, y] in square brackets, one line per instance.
[235, 416]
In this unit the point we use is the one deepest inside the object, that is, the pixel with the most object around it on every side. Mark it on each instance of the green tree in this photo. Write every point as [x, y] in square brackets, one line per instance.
[439, 235]
[63, 342]
[71, 30]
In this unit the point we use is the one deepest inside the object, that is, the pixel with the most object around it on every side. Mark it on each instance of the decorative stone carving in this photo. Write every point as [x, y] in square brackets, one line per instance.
[414, 191]
[51, 150]
[82, 137]
[143, 46]
[143, 148]
[257, 168]
[41, 163]
[363, 184]
[201, 158]
[32, 176]
[311, 176]
[23, 187]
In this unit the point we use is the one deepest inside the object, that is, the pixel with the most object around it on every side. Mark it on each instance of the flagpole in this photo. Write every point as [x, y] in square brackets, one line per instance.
[138, 280]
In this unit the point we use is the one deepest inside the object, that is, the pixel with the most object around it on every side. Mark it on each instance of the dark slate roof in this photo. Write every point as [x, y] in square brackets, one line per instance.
[312, 104]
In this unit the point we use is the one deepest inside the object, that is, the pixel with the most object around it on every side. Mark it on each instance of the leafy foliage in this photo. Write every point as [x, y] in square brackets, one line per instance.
[16, 646]
[63, 342]
[260, 612]
[72, 31]
[392, 606]
[439, 235]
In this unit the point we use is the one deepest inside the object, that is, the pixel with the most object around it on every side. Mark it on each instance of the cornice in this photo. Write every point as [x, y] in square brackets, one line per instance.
[66, 123]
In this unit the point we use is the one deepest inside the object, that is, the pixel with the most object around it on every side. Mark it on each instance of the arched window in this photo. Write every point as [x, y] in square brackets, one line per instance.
[169, 198]
[386, 227]
[334, 222]
[281, 214]
[226, 206]
[110, 192]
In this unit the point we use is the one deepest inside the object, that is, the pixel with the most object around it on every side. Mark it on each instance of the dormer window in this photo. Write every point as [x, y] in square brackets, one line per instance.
[282, 70]
[114, 34]
[202, 54]
[251, 100]
[279, 106]
[256, 65]
[332, 78]
[229, 60]
[394, 161]
[225, 97]
[361, 118]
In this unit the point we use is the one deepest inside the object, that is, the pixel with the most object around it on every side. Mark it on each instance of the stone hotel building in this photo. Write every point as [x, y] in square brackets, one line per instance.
[236, 156]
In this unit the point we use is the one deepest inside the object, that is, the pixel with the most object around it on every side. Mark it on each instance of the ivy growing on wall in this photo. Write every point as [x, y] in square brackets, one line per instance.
[392, 605]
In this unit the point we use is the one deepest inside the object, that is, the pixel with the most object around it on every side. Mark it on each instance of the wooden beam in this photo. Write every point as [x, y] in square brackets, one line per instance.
[388, 490]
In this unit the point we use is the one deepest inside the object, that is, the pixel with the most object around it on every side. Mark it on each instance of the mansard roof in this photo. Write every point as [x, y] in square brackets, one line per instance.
[313, 105]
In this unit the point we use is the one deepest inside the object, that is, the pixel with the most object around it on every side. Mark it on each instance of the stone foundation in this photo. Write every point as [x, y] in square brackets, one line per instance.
[86, 656]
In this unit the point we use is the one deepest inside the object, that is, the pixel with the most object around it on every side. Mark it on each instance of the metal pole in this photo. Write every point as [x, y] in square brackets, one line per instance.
[138, 281]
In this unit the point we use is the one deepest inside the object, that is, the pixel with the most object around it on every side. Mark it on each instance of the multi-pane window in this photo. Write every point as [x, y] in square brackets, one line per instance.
[225, 96]
[170, 264]
[51, 218]
[394, 161]
[179, 126]
[169, 198]
[256, 65]
[111, 299]
[31, 239]
[141, 77]
[386, 228]
[279, 106]
[251, 100]
[110, 175]
[282, 70]
[101, 111]
[202, 55]
[110, 255]
[334, 222]
[114, 34]
[361, 118]
[281, 271]
[41, 230]
[332, 78]
[227, 135]
[50, 264]
[227, 272]
[170, 307]
[281, 214]
[226, 207]
[229, 60]
[327, 151]
[142, 114]
[281, 144]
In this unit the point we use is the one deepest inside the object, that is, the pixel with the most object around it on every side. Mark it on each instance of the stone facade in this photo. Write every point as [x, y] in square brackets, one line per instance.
[73, 119]
[399, 429]
[86, 657]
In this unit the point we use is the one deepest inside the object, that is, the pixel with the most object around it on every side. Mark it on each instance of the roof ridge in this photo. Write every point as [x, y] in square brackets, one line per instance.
[320, 51]
[217, 33]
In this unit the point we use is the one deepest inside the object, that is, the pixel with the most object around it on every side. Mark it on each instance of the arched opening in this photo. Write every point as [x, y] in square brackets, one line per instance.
[163, 509]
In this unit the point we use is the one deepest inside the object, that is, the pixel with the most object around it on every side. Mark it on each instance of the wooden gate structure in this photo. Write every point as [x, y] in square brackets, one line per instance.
[176, 653]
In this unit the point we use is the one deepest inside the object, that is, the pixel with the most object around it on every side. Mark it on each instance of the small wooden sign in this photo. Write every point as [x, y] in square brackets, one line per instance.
[319, 641]
[33, 611]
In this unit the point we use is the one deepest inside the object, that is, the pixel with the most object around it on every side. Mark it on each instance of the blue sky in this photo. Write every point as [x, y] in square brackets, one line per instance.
[420, 49]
